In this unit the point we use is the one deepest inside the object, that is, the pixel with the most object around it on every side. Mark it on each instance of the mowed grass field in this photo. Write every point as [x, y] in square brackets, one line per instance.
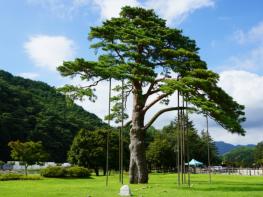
[159, 185]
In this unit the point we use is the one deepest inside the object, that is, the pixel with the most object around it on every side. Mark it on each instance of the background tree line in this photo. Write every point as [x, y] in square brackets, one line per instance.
[162, 152]
[89, 148]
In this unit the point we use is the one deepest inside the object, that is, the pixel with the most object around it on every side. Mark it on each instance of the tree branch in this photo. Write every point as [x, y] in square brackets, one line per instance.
[150, 91]
[94, 84]
[160, 113]
[127, 123]
[118, 53]
[160, 97]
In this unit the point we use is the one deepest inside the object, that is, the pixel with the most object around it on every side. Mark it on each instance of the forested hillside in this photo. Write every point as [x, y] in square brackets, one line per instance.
[32, 110]
[224, 147]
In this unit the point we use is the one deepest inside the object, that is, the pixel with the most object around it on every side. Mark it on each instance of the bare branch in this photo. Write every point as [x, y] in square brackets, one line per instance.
[153, 92]
[160, 97]
[150, 90]
[94, 84]
[160, 113]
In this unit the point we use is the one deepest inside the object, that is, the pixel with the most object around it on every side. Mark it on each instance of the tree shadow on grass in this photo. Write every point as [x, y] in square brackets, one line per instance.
[71, 178]
[231, 187]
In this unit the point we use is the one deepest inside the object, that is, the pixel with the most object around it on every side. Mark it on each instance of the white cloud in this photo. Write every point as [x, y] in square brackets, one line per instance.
[255, 34]
[251, 61]
[241, 81]
[49, 51]
[111, 8]
[177, 10]
[172, 10]
[252, 44]
[253, 136]
[247, 89]
[28, 75]
[60, 8]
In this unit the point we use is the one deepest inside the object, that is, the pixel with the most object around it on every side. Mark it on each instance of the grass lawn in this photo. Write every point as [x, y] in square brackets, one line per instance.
[159, 185]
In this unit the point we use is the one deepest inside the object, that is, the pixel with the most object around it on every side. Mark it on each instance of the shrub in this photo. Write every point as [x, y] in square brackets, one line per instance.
[76, 171]
[70, 172]
[14, 176]
[53, 171]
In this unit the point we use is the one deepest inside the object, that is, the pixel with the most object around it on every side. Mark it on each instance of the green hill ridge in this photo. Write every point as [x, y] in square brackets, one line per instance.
[33, 110]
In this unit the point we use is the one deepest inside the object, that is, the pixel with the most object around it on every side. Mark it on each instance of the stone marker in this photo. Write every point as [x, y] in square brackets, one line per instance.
[125, 191]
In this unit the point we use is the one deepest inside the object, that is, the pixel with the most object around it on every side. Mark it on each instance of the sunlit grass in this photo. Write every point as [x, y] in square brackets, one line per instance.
[159, 185]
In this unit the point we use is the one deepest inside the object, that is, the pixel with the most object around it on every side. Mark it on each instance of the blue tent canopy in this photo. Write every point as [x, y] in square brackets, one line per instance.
[194, 162]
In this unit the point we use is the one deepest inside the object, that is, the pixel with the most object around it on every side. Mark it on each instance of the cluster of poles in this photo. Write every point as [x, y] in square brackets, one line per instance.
[182, 149]
[121, 129]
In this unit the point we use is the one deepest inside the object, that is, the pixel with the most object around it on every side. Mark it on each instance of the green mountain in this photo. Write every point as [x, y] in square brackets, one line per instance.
[33, 110]
[223, 147]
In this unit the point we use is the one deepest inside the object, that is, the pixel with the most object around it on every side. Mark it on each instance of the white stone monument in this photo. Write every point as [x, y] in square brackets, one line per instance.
[125, 191]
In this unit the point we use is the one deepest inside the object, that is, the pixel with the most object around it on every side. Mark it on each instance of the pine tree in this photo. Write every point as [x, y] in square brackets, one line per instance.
[138, 48]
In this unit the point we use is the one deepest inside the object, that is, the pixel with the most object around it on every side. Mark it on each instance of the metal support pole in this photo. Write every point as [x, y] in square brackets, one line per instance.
[178, 139]
[208, 149]
[181, 146]
[122, 123]
[187, 146]
[183, 141]
[120, 155]
[107, 146]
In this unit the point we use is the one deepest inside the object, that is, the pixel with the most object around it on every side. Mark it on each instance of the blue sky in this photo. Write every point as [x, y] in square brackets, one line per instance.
[37, 35]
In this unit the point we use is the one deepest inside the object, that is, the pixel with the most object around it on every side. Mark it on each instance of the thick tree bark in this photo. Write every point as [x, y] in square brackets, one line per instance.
[138, 167]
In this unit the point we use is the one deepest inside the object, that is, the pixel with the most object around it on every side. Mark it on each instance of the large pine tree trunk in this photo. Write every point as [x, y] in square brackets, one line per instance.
[138, 167]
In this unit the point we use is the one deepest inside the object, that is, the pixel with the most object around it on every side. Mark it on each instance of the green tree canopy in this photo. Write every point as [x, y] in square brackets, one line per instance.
[259, 153]
[89, 149]
[155, 61]
[28, 153]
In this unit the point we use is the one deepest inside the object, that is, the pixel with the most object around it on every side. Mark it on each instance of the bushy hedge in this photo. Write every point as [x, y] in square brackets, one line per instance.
[14, 176]
[70, 172]
[53, 171]
[76, 171]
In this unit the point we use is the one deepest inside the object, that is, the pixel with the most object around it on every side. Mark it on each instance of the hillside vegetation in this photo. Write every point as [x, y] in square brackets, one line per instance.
[32, 110]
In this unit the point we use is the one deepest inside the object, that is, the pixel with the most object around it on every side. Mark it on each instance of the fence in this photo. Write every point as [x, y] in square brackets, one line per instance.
[232, 171]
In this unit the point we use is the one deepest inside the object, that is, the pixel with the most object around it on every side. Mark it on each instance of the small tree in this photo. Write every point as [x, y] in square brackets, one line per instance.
[89, 149]
[28, 153]
[160, 153]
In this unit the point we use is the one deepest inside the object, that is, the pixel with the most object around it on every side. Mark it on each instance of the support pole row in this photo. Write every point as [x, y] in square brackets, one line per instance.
[182, 141]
